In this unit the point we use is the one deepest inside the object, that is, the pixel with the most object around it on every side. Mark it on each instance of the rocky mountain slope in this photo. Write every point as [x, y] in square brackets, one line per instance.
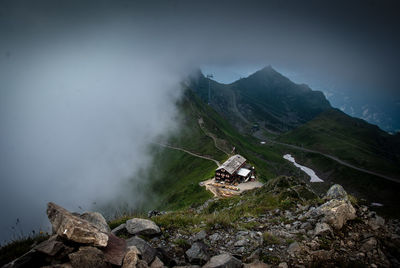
[265, 98]
[283, 224]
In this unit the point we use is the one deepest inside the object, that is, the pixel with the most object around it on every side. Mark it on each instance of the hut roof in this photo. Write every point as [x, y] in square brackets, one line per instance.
[233, 163]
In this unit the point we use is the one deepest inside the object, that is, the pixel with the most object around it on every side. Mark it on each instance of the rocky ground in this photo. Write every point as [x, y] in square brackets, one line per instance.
[283, 224]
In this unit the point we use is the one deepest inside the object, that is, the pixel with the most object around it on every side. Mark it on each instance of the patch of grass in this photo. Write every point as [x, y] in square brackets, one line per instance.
[248, 225]
[289, 241]
[19, 247]
[270, 259]
[117, 222]
[178, 220]
[353, 200]
[325, 243]
[270, 239]
[220, 221]
[184, 244]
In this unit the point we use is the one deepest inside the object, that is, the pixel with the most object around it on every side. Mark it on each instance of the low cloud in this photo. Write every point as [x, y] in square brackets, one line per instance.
[85, 85]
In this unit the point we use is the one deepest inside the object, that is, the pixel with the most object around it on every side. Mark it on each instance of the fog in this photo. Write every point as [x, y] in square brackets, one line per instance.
[85, 86]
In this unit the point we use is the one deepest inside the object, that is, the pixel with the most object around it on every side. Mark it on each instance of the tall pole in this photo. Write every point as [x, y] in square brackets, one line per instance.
[209, 76]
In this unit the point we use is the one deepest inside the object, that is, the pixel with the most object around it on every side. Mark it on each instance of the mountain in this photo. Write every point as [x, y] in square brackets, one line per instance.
[323, 138]
[288, 221]
[265, 99]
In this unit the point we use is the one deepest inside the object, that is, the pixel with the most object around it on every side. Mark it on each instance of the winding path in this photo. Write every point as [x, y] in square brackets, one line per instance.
[337, 160]
[189, 152]
[212, 136]
[316, 152]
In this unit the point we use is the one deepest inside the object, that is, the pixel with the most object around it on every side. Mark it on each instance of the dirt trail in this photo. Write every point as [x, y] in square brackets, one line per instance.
[189, 152]
[317, 152]
[211, 135]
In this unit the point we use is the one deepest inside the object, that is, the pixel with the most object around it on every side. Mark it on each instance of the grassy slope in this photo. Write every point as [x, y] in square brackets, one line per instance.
[350, 139]
[366, 188]
[175, 175]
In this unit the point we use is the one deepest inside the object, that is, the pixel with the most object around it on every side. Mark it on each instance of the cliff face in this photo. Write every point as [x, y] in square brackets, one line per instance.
[281, 224]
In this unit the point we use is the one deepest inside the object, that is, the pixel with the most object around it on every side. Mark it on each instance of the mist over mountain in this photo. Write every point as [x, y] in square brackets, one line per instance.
[87, 86]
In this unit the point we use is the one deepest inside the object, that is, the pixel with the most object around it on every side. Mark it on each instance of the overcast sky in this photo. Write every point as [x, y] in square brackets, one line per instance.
[84, 85]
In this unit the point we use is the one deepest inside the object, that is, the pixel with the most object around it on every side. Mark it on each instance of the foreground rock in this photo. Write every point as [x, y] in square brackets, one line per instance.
[73, 228]
[198, 253]
[131, 257]
[97, 220]
[138, 226]
[319, 233]
[147, 252]
[336, 192]
[115, 251]
[337, 213]
[223, 261]
[88, 257]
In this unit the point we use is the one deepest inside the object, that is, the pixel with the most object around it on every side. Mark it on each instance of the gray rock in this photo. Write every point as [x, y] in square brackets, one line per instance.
[199, 236]
[283, 265]
[119, 229]
[306, 226]
[157, 263]
[148, 253]
[141, 264]
[50, 247]
[369, 244]
[214, 237]
[336, 192]
[322, 255]
[88, 257]
[376, 222]
[142, 226]
[74, 228]
[293, 248]
[97, 220]
[223, 261]
[336, 212]
[322, 229]
[198, 253]
[131, 257]
[241, 243]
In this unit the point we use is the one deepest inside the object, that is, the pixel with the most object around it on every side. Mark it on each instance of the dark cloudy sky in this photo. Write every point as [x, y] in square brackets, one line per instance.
[84, 85]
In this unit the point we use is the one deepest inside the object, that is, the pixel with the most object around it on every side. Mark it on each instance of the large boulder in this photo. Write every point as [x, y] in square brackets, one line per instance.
[293, 248]
[88, 257]
[119, 229]
[138, 226]
[322, 229]
[50, 247]
[97, 220]
[73, 228]
[115, 251]
[336, 212]
[198, 253]
[148, 253]
[336, 192]
[157, 263]
[223, 261]
[131, 257]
